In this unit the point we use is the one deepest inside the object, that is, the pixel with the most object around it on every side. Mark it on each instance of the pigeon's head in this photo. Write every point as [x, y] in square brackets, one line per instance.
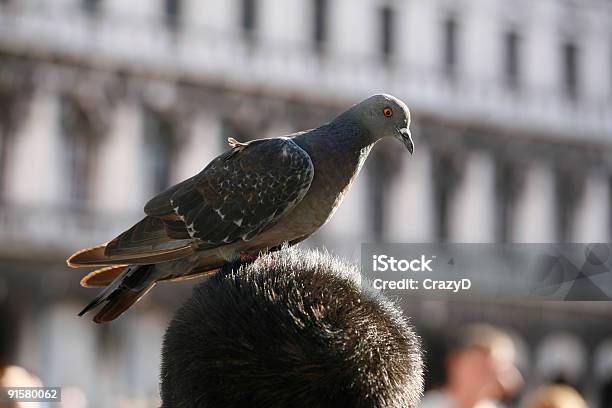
[385, 116]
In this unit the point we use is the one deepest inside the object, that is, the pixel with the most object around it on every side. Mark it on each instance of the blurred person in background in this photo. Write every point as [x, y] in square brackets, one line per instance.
[292, 329]
[555, 396]
[73, 397]
[479, 370]
[605, 395]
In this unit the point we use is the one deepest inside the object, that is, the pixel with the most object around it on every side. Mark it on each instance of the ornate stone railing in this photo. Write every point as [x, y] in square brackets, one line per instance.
[55, 231]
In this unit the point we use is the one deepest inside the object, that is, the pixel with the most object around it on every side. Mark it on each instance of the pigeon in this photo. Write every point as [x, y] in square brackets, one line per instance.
[254, 198]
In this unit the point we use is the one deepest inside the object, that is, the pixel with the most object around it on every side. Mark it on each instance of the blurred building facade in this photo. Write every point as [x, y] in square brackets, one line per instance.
[103, 103]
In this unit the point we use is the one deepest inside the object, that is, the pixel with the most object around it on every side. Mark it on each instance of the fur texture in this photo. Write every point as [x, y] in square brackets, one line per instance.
[291, 329]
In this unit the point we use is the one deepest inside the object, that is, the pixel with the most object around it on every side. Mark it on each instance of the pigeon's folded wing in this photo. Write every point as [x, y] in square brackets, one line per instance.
[237, 196]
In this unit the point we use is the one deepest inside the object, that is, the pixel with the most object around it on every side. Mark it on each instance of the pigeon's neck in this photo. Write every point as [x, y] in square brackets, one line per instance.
[338, 150]
[344, 137]
[349, 133]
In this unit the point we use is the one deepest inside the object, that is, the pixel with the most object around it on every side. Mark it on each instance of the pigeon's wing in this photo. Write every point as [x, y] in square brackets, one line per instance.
[242, 194]
[237, 196]
[150, 235]
[145, 243]
[160, 204]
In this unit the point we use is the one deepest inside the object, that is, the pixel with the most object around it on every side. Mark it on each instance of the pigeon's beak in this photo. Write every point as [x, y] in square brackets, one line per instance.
[407, 139]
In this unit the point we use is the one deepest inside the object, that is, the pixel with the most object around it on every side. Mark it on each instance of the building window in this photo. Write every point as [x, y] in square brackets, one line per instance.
[320, 23]
[249, 17]
[80, 148]
[447, 175]
[172, 9]
[3, 158]
[610, 210]
[569, 186]
[508, 183]
[7, 101]
[160, 144]
[511, 57]
[570, 69]
[450, 46]
[91, 6]
[386, 32]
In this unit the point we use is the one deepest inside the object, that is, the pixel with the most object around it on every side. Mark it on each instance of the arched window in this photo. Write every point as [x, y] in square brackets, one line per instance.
[512, 61]
[571, 69]
[91, 6]
[249, 17]
[508, 183]
[387, 28]
[3, 155]
[160, 147]
[447, 172]
[79, 139]
[569, 187]
[450, 45]
[319, 24]
[172, 13]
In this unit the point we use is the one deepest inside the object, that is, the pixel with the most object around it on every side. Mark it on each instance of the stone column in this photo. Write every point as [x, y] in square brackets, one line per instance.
[15, 98]
[472, 212]
[410, 205]
[535, 208]
[37, 153]
[283, 22]
[202, 143]
[167, 125]
[139, 355]
[591, 221]
[119, 176]
[69, 351]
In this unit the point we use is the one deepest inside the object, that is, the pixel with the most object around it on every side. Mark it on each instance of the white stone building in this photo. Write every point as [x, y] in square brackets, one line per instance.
[105, 102]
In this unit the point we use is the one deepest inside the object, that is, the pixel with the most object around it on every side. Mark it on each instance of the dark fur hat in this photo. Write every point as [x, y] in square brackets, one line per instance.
[292, 329]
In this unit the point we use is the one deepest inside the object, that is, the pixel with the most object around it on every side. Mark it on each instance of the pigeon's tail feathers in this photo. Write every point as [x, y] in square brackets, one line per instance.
[192, 275]
[95, 257]
[132, 284]
[84, 256]
[101, 278]
[121, 302]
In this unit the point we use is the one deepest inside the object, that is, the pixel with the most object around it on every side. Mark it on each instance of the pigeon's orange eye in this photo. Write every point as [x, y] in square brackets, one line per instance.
[388, 112]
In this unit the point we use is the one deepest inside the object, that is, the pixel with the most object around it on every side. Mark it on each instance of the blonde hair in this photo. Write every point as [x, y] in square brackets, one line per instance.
[555, 396]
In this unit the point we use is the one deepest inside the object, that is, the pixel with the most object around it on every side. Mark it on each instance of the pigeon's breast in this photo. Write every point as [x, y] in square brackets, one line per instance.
[331, 182]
